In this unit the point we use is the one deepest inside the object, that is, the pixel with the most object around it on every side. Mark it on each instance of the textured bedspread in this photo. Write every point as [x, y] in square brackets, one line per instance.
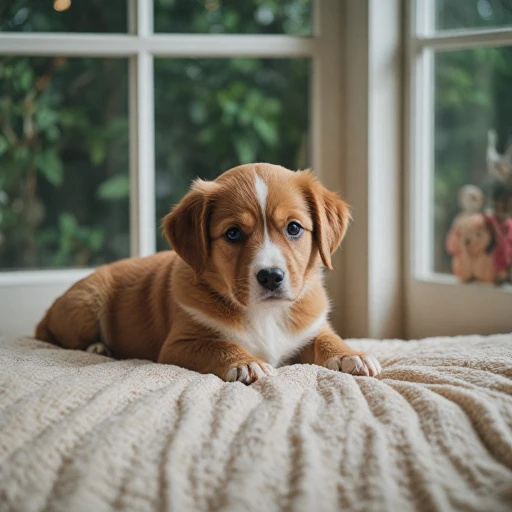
[82, 432]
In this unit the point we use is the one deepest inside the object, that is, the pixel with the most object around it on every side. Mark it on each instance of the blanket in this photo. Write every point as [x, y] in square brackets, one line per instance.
[83, 432]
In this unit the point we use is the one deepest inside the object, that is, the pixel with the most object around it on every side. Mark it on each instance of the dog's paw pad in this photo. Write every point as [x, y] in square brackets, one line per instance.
[355, 365]
[249, 373]
[98, 348]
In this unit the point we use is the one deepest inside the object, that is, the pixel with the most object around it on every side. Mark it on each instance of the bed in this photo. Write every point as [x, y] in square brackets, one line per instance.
[82, 432]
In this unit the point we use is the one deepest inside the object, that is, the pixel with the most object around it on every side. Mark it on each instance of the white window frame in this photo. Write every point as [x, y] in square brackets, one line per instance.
[26, 294]
[437, 304]
[372, 285]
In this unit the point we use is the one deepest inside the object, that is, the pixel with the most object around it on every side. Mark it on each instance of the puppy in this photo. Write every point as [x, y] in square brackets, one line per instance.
[242, 291]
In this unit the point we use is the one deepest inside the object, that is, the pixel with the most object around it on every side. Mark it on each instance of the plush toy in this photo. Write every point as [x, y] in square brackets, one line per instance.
[499, 171]
[481, 243]
[471, 201]
[502, 251]
[471, 248]
[498, 166]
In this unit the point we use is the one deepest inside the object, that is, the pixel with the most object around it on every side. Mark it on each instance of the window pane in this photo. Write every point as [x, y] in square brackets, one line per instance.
[458, 14]
[234, 16]
[63, 162]
[472, 97]
[214, 114]
[63, 16]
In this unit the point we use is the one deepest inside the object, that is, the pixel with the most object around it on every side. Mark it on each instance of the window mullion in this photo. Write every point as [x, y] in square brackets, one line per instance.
[142, 140]
[146, 154]
[465, 39]
[144, 18]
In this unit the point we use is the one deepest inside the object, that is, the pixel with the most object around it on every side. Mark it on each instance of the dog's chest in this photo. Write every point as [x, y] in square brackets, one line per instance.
[267, 335]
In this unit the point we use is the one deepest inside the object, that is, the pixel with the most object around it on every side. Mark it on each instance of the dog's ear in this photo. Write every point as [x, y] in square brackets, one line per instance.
[330, 214]
[186, 226]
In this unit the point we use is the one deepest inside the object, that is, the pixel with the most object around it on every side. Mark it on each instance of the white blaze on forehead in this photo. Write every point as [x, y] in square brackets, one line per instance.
[262, 192]
[269, 255]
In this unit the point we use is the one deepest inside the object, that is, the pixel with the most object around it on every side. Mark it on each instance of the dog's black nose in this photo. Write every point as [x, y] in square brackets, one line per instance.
[270, 278]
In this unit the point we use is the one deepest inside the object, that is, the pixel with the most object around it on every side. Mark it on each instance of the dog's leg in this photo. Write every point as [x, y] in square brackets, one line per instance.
[227, 360]
[329, 350]
[73, 321]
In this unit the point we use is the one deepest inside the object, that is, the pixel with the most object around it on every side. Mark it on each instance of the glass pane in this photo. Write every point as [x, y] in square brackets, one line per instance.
[63, 16]
[214, 114]
[458, 14]
[234, 16]
[63, 162]
[473, 129]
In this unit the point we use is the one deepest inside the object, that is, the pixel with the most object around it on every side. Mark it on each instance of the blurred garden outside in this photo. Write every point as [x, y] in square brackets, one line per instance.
[64, 152]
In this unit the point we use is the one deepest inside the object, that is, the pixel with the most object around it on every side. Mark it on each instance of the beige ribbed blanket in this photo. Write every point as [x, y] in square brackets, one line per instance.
[82, 432]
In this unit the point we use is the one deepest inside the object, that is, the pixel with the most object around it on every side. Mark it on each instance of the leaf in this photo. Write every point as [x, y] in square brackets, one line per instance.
[98, 152]
[245, 65]
[67, 223]
[74, 117]
[46, 118]
[267, 131]
[115, 187]
[96, 239]
[244, 150]
[25, 79]
[50, 165]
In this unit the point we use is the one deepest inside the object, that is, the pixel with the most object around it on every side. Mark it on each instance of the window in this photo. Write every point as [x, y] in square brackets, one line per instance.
[460, 122]
[64, 181]
[110, 109]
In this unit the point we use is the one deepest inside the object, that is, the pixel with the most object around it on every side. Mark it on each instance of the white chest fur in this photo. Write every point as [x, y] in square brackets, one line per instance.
[266, 335]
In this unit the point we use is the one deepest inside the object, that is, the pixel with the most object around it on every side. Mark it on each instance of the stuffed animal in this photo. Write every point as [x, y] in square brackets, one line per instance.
[471, 201]
[481, 243]
[502, 252]
[498, 166]
[499, 171]
[471, 248]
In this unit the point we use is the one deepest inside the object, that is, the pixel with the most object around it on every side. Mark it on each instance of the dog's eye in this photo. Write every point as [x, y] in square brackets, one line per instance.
[233, 235]
[294, 229]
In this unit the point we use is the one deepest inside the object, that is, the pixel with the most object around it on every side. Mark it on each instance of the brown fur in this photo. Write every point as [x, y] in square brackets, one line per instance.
[136, 306]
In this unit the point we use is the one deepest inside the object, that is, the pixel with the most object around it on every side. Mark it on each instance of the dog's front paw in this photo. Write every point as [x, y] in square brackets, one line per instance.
[99, 348]
[365, 365]
[249, 373]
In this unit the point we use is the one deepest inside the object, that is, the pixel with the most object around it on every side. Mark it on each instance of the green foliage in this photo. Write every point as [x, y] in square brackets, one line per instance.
[82, 16]
[234, 16]
[50, 165]
[70, 241]
[64, 136]
[115, 187]
[219, 113]
[455, 14]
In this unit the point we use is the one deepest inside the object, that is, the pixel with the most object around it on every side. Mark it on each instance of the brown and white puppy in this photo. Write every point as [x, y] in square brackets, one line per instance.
[242, 291]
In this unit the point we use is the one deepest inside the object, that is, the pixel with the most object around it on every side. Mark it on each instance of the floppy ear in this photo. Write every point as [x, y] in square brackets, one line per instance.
[331, 216]
[186, 226]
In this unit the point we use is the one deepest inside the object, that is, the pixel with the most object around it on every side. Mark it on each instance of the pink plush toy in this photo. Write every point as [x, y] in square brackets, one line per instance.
[471, 244]
[503, 247]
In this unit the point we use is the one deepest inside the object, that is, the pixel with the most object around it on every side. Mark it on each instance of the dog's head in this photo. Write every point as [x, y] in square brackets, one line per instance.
[257, 232]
